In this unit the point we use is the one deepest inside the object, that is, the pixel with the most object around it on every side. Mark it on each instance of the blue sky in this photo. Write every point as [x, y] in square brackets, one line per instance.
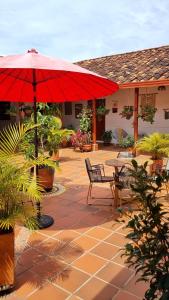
[81, 29]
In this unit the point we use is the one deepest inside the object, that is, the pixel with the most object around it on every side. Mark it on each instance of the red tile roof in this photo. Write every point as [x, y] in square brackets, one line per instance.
[138, 66]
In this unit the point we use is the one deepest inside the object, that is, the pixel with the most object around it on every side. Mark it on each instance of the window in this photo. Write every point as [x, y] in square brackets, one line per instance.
[4, 108]
[68, 108]
[148, 99]
[166, 114]
[114, 106]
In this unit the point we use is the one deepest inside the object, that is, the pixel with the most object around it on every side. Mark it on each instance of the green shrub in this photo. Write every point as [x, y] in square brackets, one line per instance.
[126, 142]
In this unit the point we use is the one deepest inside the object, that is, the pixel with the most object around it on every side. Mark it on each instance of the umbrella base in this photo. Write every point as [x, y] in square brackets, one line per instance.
[45, 221]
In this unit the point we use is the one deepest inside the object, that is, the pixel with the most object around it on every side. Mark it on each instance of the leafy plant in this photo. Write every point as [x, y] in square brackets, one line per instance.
[102, 110]
[50, 135]
[56, 136]
[127, 112]
[79, 139]
[147, 113]
[85, 118]
[107, 136]
[156, 143]
[148, 250]
[126, 142]
[17, 187]
[49, 109]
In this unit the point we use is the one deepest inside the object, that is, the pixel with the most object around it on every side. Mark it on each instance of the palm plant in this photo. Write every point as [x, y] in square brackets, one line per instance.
[156, 143]
[18, 190]
[56, 135]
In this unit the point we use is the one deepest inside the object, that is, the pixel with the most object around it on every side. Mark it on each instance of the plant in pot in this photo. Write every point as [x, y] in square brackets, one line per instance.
[102, 111]
[45, 171]
[81, 140]
[18, 191]
[56, 136]
[127, 142]
[127, 112]
[147, 249]
[107, 137]
[85, 118]
[156, 144]
[147, 113]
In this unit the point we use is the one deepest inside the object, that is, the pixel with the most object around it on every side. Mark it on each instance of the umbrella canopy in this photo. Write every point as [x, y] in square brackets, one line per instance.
[55, 80]
[32, 77]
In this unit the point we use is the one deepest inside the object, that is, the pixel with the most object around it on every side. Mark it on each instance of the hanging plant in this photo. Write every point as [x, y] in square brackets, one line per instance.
[127, 112]
[147, 113]
[102, 110]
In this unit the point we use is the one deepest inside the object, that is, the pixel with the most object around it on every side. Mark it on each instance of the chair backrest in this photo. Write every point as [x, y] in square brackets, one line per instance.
[88, 168]
[93, 173]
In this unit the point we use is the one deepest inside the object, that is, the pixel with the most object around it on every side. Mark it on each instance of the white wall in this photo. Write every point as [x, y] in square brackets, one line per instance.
[71, 120]
[126, 97]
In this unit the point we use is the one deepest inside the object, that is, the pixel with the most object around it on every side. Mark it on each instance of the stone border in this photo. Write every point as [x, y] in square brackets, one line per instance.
[58, 189]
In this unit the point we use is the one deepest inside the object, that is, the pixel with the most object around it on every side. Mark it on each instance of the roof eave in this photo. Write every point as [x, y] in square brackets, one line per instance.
[140, 84]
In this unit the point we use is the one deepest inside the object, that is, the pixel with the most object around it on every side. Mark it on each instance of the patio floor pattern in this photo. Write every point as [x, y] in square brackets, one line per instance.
[79, 256]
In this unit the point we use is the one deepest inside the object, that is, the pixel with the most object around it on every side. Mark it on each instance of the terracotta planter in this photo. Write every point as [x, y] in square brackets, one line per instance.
[86, 148]
[46, 177]
[6, 260]
[156, 166]
[21, 114]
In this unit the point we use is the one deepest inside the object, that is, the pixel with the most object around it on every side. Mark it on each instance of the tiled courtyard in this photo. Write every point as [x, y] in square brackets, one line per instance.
[79, 256]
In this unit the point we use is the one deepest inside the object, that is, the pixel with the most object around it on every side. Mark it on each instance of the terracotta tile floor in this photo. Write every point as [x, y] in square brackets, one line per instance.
[79, 256]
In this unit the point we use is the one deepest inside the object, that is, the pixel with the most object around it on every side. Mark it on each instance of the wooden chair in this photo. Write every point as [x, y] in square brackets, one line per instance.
[96, 174]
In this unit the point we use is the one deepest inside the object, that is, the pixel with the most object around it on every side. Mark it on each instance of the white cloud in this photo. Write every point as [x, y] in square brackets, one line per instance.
[79, 29]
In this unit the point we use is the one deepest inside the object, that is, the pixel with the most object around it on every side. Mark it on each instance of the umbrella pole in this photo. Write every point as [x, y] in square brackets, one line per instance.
[44, 221]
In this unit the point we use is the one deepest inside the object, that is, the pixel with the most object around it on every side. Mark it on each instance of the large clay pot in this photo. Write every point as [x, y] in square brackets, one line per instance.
[46, 177]
[6, 260]
[156, 166]
[86, 148]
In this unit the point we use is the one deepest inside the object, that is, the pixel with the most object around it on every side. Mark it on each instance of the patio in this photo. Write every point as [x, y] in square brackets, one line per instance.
[79, 256]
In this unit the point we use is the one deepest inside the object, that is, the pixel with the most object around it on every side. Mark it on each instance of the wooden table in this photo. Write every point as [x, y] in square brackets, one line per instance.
[117, 163]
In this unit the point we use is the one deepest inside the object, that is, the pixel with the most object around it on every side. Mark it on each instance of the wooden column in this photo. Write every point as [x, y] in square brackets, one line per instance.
[135, 123]
[94, 145]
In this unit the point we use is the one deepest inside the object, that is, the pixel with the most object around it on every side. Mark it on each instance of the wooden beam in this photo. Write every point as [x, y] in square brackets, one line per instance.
[140, 84]
[94, 145]
[135, 123]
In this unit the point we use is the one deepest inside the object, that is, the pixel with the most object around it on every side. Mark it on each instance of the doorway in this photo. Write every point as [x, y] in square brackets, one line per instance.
[100, 121]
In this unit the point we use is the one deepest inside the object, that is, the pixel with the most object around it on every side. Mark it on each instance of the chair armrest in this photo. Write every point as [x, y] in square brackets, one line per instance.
[99, 167]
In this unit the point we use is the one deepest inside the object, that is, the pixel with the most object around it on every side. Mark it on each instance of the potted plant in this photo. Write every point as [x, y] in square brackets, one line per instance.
[102, 111]
[56, 136]
[82, 141]
[83, 136]
[127, 112]
[157, 144]
[147, 113]
[127, 142]
[45, 172]
[147, 249]
[107, 137]
[16, 187]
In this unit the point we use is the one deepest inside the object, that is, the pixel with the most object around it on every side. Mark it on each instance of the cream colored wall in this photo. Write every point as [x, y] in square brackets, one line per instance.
[71, 120]
[126, 97]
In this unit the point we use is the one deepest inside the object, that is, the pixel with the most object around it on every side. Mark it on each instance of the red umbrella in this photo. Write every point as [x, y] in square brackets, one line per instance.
[23, 77]
[32, 77]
